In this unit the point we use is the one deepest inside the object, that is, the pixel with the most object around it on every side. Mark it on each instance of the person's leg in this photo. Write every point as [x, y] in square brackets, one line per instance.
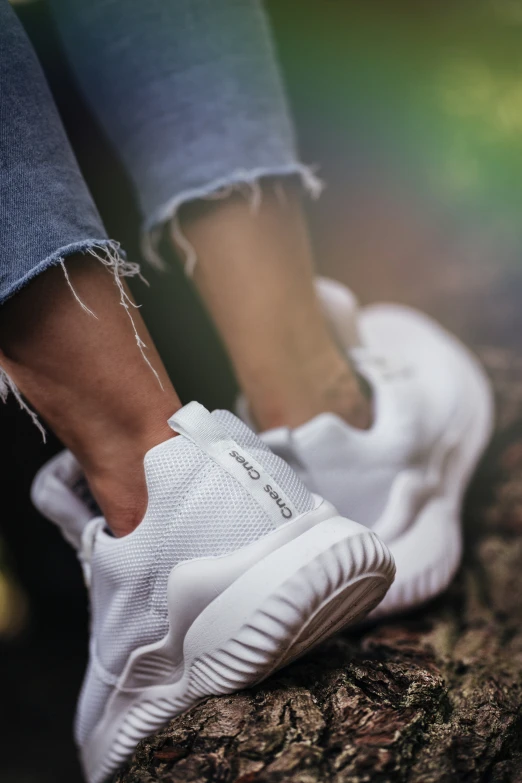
[190, 94]
[234, 568]
[256, 274]
[85, 375]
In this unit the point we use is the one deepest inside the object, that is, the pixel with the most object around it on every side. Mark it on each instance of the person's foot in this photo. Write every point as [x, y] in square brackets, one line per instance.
[235, 570]
[405, 476]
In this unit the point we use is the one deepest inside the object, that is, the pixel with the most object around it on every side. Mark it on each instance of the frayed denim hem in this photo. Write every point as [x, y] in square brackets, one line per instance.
[218, 188]
[57, 258]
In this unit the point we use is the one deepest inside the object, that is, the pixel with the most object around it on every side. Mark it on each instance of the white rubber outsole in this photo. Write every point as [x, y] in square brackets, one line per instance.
[428, 554]
[325, 579]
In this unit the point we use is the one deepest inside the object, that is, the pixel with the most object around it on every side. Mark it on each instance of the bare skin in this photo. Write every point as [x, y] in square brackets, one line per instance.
[255, 274]
[86, 377]
[88, 380]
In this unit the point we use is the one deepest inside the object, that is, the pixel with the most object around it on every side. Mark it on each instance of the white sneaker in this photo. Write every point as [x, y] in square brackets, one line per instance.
[405, 477]
[235, 570]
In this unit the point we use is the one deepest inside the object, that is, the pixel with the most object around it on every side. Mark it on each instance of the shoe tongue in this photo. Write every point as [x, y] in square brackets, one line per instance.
[242, 455]
[341, 311]
[195, 423]
[60, 493]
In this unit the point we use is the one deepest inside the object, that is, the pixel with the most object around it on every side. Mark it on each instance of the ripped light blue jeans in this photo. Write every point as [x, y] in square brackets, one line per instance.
[187, 91]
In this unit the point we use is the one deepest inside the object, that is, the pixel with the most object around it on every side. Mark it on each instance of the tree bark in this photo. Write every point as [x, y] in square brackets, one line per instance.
[432, 697]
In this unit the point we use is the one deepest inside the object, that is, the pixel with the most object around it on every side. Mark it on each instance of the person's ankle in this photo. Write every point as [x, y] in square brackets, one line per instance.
[116, 478]
[327, 389]
[122, 499]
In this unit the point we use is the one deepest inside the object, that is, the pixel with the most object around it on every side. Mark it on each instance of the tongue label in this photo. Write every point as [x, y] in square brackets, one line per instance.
[196, 423]
[256, 474]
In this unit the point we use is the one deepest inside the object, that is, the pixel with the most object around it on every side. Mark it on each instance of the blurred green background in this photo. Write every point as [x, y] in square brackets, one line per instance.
[435, 85]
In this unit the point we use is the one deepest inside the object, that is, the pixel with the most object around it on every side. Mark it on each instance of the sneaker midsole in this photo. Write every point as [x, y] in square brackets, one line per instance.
[200, 596]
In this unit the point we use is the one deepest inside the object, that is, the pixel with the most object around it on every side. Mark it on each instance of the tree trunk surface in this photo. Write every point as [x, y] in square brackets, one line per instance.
[435, 696]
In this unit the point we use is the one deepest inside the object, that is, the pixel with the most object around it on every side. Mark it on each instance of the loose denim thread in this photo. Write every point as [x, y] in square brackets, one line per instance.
[109, 255]
[112, 260]
[8, 385]
[248, 183]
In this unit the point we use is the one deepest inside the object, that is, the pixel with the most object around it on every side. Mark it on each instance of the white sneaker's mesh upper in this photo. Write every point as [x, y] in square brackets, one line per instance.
[93, 695]
[356, 469]
[196, 509]
[403, 363]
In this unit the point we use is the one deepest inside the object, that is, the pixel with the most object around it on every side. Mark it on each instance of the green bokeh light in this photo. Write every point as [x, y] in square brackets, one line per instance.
[435, 87]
